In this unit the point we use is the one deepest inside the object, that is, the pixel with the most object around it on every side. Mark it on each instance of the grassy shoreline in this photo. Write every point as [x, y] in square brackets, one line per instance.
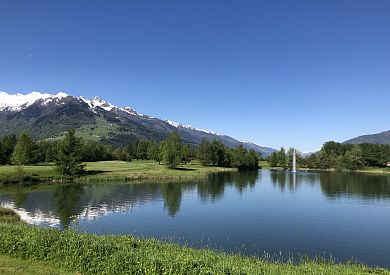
[109, 171]
[72, 252]
[121, 171]
[373, 170]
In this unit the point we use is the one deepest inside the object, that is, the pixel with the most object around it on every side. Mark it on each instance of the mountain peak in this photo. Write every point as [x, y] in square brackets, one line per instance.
[124, 123]
[16, 102]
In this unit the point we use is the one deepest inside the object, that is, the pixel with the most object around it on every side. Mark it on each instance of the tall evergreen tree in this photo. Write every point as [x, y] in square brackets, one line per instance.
[130, 151]
[69, 158]
[282, 158]
[2, 154]
[142, 149]
[9, 143]
[152, 151]
[273, 159]
[23, 152]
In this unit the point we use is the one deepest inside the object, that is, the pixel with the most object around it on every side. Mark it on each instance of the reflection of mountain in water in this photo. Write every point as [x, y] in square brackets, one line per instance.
[64, 204]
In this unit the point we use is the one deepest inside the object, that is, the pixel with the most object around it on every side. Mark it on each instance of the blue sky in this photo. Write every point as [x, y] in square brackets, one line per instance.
[280, 73]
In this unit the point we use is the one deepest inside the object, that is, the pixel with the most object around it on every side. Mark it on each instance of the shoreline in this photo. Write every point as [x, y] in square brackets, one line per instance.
[367, 171]
[109, 171]
[90, 254]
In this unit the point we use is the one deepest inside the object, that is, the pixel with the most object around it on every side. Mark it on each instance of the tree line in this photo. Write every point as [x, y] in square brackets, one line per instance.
[70, 152]
[336, 156]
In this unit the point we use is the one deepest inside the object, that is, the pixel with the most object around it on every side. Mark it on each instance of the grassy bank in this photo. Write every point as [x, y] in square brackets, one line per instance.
[14, 266]
[374, 170]
[108, 171]
[21, 244]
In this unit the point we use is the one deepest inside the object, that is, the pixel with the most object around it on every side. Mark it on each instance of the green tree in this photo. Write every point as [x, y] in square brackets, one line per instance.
[130, 151]
[142, 149]
[204, 152]
[282, 158]
[2, 154]
[9, 143]
[173, 150]
[161, 151]
[23, 152]
[323, 160]
[273, 159]
[354, 159]
[69, 157]
[152, 151]
[186, 154]
[118, 154]
[239, 156]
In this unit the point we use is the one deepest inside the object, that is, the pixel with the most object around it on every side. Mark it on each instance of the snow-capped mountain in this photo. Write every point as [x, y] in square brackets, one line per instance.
[18, 101]
[49, 115]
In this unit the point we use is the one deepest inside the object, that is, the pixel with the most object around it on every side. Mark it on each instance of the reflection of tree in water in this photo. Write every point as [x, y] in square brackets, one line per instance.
[278, 179]
[19, 198]
[286, 179]
[214, 186]
[171, 193]
[364, 186]
[66, 199]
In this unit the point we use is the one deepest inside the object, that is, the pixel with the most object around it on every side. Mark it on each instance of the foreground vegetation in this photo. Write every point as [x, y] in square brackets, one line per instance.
[108, 171]
[14, 266]
[67, 250]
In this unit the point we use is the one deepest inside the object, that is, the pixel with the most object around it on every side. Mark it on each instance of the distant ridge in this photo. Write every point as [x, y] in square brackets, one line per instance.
[47, 116]
[380, 138]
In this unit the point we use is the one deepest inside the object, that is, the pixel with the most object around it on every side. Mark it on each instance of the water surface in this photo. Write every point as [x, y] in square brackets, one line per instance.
[338, 215]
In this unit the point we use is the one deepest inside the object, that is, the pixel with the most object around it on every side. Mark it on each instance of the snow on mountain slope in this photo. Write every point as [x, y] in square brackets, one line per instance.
[178, 125]
[18, 101]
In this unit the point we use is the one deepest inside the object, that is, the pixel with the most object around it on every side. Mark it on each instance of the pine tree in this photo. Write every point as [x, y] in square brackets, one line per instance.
[69, 158]
[152, 151]
[2, 154]
[9, 143]
[282, 158]
[23, 152]
[273, 159]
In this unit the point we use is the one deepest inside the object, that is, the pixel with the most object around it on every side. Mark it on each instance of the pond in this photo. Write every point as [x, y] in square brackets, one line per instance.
[265, 213]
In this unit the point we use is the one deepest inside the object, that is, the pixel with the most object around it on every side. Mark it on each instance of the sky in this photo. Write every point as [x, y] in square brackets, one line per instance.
[279, 73]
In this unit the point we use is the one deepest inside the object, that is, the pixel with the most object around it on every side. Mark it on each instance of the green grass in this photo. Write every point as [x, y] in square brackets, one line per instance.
[22, 245]
[14, 266]
[8, 216]
[379, 170]
[109, 171]
[376, 170]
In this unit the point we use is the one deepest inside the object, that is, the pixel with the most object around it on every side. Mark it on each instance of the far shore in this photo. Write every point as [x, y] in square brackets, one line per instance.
[122, 171]
[107, 171]
[373, 170]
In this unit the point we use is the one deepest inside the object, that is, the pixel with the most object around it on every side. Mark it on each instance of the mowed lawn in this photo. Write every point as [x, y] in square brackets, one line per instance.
[110, 170]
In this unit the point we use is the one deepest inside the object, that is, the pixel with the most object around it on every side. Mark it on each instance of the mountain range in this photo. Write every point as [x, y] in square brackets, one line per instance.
[380, 138]
[49, 116]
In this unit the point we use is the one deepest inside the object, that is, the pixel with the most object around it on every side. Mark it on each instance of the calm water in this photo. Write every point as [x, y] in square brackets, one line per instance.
[318, 214]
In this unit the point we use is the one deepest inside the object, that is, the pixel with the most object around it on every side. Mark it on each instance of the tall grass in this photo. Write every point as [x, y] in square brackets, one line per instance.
[91, 254]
